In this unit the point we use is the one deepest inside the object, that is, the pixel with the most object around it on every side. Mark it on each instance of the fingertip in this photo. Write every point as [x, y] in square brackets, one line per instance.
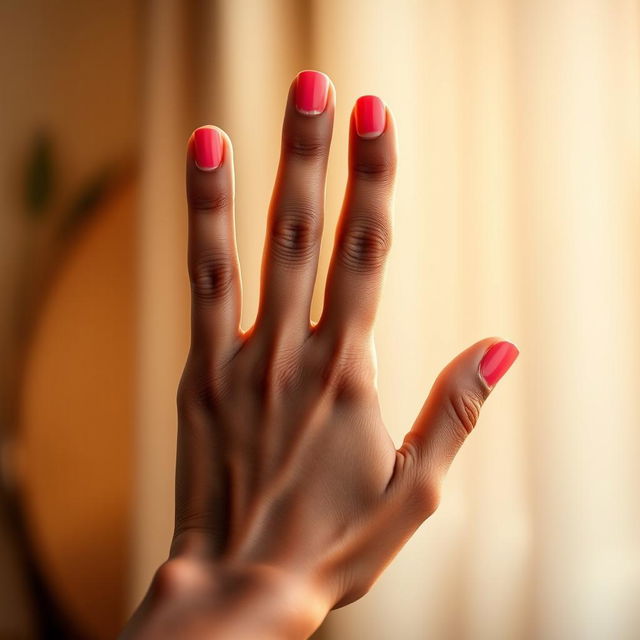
[208, 146]
[313, 92]
[496, 361]
[368, 139]
[373, 151]
[209, 168]
[370, 117]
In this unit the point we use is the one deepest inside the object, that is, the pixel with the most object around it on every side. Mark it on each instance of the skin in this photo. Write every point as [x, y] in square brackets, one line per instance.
[291, 497]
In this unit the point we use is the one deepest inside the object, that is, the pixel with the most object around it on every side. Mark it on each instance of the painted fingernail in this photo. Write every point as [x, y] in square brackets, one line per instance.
[371, 117]
[207, 148]
[497, 361]
[312, 91]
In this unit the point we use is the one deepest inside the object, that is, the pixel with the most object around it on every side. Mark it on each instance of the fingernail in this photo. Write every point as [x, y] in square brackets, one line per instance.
[497, 361]
[312, 90]
[207, 148]
[371, 116]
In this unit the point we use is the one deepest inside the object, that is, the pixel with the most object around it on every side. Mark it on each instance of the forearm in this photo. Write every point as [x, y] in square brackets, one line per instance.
[187, 600]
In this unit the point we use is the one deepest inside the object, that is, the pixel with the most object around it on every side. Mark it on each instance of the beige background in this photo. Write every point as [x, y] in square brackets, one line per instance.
[517, 214]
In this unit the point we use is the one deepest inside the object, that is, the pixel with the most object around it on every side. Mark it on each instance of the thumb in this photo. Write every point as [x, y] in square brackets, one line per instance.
[452, 409]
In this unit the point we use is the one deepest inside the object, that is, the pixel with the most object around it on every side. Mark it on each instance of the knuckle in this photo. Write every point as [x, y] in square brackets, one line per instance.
[174, 578]
[355, 380]
[347, 371]
[463, 407]
[422, 479]
[200, 390]
[185, 396]
[381, 169]
[212, 277]
[183, 401]
[353, 383]
[276, 373]
[427, 496]
[209, 202]
[359, 590]
[305, 146]
[365, 244]
[330, 371]
[294, 235]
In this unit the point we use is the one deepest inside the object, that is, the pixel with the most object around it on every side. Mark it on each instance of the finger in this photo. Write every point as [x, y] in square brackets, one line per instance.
[363, 235]
[294, 226]
[212, 255]
[452, 410]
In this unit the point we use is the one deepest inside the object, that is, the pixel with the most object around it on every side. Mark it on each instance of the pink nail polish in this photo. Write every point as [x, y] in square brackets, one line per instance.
[312, 90]
[371, 116]
[497, 361]
[207, 148]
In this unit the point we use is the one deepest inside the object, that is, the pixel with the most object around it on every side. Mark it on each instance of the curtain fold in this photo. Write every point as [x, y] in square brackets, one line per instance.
[516, 215]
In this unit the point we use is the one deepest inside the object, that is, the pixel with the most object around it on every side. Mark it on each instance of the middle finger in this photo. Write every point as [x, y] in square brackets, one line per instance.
[294, 226]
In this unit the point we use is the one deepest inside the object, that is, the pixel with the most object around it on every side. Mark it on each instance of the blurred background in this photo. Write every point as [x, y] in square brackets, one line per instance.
[517, 215]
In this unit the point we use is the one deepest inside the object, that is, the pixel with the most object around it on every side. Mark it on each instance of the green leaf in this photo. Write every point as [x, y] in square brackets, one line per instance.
[38, 186]
[87, 198]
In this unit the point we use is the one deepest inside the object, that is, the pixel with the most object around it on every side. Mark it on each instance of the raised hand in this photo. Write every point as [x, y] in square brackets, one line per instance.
[291, 497]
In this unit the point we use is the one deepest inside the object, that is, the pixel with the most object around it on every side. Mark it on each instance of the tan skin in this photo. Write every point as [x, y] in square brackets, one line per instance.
[291, 497]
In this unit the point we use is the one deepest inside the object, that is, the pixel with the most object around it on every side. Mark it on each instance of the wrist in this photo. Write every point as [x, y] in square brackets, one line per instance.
[190, 598]
[267, 602]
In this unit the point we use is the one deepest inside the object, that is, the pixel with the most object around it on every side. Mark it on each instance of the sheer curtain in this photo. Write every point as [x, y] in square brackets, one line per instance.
[517, 214]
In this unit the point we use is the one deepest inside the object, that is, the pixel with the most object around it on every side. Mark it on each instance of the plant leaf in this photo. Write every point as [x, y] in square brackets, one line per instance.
[39, 176]
[87, 198]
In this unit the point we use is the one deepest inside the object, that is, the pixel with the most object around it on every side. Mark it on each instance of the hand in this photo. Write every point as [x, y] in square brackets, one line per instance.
[291, 497]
